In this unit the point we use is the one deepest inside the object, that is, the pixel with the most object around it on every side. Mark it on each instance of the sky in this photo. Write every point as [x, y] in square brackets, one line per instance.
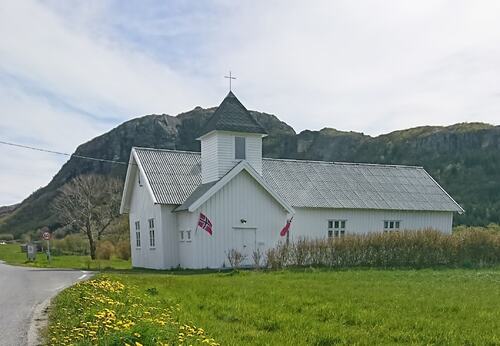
[72, 70]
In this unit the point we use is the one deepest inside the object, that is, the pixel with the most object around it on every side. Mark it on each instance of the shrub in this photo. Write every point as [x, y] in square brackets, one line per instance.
[73, 244]
[257, 258]
[6, 236]
[278, 257]
[235, 258]
[123, 249]
[415, 249]
[105, 249]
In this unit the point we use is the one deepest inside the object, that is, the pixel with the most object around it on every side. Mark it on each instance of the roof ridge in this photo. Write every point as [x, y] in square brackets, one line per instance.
[292, 160]
[169, 150]
[343, 163]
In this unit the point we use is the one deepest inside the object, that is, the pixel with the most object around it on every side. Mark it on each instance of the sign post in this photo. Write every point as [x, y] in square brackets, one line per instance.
[46, 236]
[31, 252]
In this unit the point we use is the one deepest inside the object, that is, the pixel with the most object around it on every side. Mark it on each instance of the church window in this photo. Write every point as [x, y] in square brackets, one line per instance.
[392, 225]
[181, 235]
[138, 239]
[336, 228]
[152, 238]
[188, 234]
[239, 148]
[152, 242]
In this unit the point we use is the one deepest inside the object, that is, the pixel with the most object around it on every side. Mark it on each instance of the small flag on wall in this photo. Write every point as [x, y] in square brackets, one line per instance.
[285, 229]
[205, 223]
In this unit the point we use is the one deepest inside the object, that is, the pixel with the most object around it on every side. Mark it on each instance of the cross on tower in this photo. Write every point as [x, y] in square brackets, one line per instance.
[230, 77]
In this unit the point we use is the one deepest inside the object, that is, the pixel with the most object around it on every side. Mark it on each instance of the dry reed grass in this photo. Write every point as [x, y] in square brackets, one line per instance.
[413, 249]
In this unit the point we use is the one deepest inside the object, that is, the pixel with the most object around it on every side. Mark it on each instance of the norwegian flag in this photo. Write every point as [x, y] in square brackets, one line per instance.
[205, 223]
[285, 229]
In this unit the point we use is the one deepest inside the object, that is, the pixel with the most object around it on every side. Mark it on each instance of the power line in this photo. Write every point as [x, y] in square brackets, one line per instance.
[62, 153]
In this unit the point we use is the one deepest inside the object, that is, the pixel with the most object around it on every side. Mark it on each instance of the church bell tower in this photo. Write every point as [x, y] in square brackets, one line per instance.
[231, 135]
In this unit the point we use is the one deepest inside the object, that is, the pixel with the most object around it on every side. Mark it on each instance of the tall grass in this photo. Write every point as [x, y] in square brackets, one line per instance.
[413, 249]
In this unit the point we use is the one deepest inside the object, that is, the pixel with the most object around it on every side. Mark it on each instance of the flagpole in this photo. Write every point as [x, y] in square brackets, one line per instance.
[197, 225]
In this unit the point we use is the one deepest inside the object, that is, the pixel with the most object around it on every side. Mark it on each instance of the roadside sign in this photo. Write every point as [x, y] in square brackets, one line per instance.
[31, 252]
[46, 236]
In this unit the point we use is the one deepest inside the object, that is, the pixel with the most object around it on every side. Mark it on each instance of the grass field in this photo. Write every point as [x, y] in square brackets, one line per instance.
[11, 254]
[318, 307]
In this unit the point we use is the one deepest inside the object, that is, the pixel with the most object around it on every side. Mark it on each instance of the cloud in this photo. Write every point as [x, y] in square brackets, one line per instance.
[60, 85]
[366, 66]
[71, 70]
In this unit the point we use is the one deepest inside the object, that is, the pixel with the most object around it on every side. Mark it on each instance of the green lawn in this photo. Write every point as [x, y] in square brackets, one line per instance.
[11, 253]
[318, 307]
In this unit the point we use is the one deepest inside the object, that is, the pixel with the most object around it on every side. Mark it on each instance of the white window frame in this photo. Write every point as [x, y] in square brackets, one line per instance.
[152, 240]
[244, 141]
[337, 228]
[138, 239]
[391, 225]
[188, 236]
[181, 236]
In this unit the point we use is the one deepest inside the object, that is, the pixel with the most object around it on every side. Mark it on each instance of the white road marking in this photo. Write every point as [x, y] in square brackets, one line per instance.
[85, 274]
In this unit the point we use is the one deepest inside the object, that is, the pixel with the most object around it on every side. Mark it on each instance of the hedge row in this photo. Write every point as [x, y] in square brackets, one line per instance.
[415, 249]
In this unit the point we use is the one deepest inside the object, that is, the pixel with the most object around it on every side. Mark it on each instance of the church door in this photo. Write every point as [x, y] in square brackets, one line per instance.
[247, 244]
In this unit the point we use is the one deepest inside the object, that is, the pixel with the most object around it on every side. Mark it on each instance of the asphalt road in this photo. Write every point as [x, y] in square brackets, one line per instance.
[21, 290]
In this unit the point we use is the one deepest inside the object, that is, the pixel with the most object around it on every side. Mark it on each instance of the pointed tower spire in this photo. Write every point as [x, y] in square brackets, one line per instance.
[231, 135]
[231, 115]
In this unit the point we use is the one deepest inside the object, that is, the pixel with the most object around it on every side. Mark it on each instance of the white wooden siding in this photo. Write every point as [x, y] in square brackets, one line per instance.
[186, 221]
[218, 152]
[170, 244]
[241, 198]
[209, 158]
[254, 152]
[225, 152]
[142, 208]
[313, 223]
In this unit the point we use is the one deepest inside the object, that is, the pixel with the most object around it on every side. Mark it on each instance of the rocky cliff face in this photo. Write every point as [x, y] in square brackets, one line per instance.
[464, 158]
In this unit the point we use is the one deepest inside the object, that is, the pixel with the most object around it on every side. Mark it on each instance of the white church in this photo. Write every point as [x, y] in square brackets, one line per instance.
[245, 200]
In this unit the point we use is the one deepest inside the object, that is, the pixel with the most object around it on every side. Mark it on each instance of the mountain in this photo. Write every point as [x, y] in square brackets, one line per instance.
[463, 158]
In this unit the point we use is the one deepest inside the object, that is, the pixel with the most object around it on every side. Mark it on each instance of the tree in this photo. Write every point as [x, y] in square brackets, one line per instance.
[89, 203]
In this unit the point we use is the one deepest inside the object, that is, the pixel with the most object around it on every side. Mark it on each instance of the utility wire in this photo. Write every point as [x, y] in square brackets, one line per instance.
[61, 153]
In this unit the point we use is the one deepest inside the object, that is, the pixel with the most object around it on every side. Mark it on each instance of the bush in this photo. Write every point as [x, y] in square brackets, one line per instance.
[123, 249]
[6, 236]
[235, 258]
[415, 249]
[105, 249]
[257, 258]
[73, 244]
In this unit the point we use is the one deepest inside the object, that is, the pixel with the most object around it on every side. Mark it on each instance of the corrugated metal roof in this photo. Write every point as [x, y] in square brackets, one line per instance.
[176, 175]
[173, 175]
[356, 186]
[197, 193]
